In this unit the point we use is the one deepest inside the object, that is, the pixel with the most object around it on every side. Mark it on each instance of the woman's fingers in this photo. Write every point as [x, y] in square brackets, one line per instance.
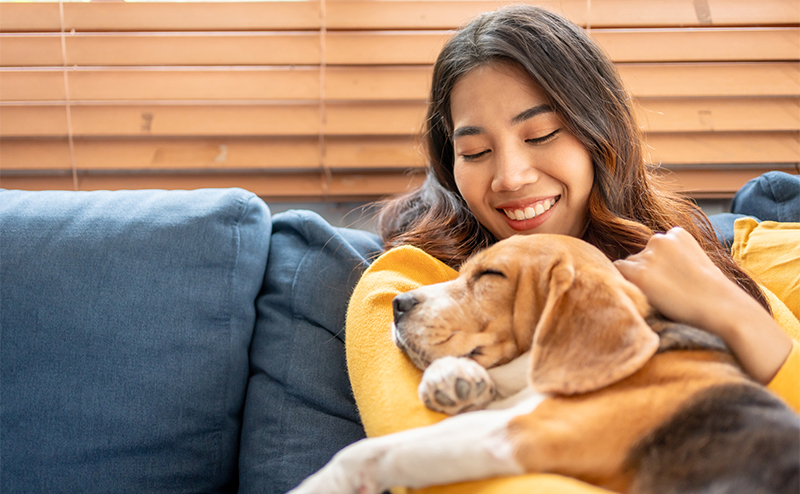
[676, 275]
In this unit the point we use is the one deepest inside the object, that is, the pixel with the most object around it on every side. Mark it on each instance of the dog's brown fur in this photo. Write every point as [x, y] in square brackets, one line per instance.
[615, 397]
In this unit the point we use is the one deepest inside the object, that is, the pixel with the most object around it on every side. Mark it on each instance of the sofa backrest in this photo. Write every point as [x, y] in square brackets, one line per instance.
[300, 408]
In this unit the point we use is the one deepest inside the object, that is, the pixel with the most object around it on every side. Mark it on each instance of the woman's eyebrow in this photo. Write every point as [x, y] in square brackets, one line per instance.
[531, 112]
[471, 130]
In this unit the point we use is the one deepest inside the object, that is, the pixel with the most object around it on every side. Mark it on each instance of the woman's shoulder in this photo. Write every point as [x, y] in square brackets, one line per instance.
[398, 270]
[404, 268]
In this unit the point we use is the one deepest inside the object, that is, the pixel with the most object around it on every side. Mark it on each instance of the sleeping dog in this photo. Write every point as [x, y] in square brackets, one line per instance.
[563, 369]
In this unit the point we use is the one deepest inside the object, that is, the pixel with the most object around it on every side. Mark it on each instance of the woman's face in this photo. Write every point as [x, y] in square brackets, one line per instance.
[516, 165]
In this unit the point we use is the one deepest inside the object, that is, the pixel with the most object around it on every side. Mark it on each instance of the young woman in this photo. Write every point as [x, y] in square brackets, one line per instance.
[530, 130]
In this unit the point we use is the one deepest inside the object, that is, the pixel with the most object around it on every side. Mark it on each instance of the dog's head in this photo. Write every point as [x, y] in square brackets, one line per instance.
[555, 295]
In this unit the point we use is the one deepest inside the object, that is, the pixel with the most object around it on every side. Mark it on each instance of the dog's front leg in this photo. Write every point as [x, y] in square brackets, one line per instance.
[466, 447]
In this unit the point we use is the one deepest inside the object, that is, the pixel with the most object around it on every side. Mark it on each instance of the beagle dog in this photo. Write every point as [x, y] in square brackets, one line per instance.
[564, 369]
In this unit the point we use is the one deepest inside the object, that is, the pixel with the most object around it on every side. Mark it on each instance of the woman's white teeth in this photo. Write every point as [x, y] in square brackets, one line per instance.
[530, 211]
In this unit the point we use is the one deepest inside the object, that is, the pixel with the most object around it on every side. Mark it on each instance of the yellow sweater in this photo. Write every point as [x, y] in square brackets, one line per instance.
[385, 382]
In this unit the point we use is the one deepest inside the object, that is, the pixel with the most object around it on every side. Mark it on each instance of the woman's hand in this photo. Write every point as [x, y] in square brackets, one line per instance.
[679, 279]
[682, 283]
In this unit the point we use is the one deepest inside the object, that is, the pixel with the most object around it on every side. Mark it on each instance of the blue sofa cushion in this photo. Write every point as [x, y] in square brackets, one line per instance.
[723, 227]
[300, 409]
[125, 323]
[774, 196]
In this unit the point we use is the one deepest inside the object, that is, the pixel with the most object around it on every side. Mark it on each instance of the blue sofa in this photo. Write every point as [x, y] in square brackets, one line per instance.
[188, 341]
[171, 342]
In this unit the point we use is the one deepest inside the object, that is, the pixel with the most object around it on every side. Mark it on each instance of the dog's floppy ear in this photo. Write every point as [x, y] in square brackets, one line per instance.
[590, 334]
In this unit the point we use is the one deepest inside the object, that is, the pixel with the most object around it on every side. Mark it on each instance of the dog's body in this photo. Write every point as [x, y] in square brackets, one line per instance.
[547, 335]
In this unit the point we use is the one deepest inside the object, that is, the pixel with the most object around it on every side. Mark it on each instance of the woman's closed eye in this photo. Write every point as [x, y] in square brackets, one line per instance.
[475, 156]
[542, 140]
[536, 141]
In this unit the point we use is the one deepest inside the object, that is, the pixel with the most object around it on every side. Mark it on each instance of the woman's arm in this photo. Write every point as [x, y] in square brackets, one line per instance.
[682, 282]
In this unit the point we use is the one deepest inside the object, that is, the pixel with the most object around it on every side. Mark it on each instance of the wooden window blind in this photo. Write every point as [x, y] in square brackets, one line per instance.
[325, 100]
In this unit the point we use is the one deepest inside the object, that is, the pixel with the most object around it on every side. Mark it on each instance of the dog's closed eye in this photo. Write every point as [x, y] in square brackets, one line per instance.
[490, 272]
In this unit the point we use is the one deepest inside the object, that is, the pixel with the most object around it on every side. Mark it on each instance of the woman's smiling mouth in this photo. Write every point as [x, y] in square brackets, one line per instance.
[531, 211]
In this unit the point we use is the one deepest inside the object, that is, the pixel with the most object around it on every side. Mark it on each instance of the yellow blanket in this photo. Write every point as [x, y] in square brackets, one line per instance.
[385, 382]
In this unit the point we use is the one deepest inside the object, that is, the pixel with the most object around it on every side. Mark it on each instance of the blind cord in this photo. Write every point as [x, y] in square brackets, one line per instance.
[325, 175]
[66, 97]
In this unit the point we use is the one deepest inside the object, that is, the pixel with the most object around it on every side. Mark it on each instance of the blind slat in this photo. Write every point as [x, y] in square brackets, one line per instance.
[715, 183]
[368, 84]
[293, 186]
[368, 153]
[370, 14]
[365, 119]
[700, 45]
[434, 14]
[165, 16]
[724, 148]
[372, 48]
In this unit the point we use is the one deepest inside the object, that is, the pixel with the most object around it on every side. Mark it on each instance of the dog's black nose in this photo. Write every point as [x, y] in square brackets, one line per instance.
[402, 304]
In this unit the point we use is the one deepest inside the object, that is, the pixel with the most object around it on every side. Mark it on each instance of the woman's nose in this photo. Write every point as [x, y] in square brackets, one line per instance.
[513, 170]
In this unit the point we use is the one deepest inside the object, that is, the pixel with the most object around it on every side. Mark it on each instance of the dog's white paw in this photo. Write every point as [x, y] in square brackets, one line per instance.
[453, 385]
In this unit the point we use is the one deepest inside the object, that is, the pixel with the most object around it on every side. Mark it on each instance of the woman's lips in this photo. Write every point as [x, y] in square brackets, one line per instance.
[530, 211]
[529, 216]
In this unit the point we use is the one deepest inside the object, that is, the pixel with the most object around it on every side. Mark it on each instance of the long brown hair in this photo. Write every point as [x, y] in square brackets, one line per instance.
[627, 204]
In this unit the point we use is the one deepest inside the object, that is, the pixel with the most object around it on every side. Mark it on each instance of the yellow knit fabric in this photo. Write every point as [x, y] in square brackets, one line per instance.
[770, 253]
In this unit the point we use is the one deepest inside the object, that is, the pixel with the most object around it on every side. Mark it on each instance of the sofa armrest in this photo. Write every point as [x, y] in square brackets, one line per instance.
[126, 320]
